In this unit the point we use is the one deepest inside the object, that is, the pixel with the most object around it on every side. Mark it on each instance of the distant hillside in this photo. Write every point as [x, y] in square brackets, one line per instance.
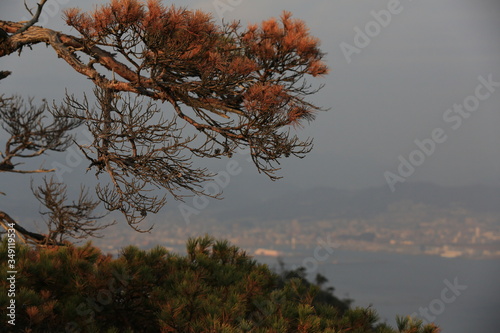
[321, 203]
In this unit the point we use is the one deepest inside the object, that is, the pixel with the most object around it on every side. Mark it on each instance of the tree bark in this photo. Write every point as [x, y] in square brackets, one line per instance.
[39, 239]
[66, 46]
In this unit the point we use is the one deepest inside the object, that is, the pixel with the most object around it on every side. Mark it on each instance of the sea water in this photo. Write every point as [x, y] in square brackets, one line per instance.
[460, 295]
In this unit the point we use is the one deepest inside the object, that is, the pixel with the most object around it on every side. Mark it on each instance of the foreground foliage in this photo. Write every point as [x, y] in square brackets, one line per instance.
[216, 287]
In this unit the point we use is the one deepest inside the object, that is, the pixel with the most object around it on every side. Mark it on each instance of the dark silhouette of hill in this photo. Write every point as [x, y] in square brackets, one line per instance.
[326, 202]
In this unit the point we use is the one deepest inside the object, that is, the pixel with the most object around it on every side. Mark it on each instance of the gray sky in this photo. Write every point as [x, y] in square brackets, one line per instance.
[385, 91]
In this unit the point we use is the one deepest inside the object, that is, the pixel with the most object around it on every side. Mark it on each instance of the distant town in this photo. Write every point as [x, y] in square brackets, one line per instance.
[404, 227]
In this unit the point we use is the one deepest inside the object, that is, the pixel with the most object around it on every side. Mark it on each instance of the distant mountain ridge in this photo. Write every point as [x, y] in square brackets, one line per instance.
[326, 202]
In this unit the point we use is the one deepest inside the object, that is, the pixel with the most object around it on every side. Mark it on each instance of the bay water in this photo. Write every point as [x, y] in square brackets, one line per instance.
[458, 294]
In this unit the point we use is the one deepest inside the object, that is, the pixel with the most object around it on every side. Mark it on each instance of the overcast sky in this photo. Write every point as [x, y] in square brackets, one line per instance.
[394, 79]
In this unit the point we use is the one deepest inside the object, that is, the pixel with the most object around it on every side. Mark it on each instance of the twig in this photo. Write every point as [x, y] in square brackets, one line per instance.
[34, 19]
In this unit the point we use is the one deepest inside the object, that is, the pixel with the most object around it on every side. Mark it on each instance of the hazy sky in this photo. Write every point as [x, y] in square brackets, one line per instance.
[394, 79]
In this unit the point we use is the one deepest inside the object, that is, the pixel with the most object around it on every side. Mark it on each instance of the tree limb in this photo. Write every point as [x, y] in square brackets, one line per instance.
[29, 171]
[34, 19]
[237, 88]
[7, 222]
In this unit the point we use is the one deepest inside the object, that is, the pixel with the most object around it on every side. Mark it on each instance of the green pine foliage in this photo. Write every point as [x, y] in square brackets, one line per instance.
[216, 287]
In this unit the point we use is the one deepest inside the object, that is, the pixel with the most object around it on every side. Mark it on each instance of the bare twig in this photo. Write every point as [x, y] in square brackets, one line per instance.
[34, 19]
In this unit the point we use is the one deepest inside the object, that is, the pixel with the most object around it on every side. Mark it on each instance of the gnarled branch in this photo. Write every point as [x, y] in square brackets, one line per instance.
[26, 236]
[235, 87]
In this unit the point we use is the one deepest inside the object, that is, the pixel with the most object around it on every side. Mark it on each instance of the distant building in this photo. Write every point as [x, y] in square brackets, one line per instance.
[267, 253]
